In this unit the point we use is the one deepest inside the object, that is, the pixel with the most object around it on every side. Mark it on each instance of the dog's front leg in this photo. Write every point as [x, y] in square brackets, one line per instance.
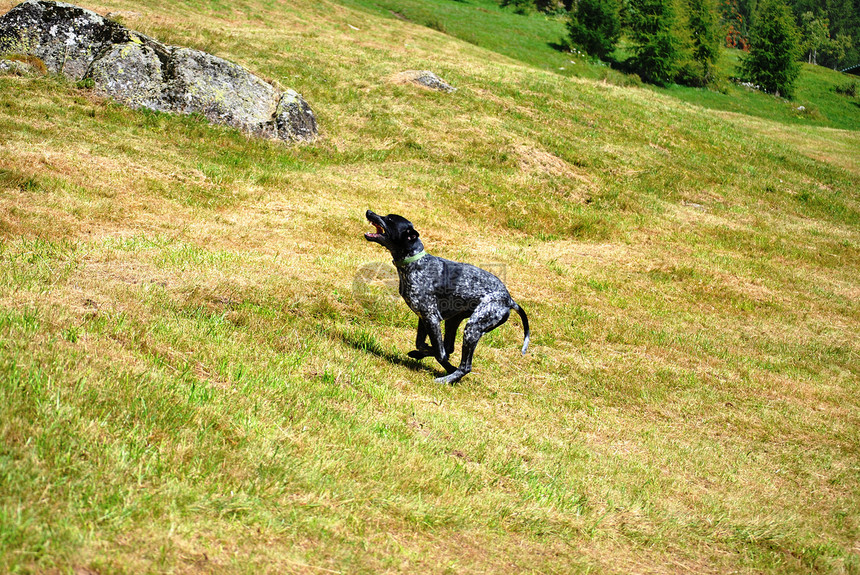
[421, 350]
[434, 330]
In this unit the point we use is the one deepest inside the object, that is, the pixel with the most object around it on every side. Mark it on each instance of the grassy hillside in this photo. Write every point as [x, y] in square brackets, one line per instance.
[539, 40]
[189, 382]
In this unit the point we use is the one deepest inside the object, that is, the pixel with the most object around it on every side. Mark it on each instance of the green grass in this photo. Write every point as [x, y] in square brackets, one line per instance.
[538, 40]
[190, 381]
[816, 102]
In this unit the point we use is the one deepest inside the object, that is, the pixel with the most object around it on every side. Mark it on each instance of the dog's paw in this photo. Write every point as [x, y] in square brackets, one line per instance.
[419, 354]
[451, 378]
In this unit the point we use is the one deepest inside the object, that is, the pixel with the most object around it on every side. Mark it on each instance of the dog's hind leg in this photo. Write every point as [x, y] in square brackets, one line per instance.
[487, 316]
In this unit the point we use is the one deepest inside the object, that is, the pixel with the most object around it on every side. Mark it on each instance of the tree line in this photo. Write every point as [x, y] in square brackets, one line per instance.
[679, 41]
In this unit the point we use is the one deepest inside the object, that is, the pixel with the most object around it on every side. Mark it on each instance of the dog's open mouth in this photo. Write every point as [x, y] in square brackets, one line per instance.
[379, 232]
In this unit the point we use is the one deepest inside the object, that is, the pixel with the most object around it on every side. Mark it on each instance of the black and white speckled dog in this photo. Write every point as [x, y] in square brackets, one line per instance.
[441, 290]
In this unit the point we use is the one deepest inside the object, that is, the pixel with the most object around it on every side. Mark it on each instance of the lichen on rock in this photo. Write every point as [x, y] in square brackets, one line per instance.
[66, 38]
[132, 74]
[222, 91]
[294, 119]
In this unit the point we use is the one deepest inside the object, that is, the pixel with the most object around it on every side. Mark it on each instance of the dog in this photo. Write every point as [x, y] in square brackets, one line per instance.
[440, 290]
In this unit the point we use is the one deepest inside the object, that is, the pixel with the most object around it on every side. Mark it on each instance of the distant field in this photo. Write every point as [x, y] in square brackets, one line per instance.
[191, 382]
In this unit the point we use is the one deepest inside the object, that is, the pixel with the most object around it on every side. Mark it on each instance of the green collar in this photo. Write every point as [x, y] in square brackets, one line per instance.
[410, 259]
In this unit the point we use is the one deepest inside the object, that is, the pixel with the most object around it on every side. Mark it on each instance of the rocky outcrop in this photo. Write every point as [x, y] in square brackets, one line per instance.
[141, 72]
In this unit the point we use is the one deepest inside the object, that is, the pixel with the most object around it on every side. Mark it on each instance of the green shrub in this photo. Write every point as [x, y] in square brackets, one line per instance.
[849, 89]
[520, 6]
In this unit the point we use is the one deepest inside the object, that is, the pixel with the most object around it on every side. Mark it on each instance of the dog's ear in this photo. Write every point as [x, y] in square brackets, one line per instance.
[411, 234]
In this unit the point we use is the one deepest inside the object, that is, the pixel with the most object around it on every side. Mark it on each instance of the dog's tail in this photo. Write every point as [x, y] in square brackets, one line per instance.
[525, 319]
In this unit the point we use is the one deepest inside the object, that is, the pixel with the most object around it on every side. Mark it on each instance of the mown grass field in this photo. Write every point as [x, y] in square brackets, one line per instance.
[189, 382]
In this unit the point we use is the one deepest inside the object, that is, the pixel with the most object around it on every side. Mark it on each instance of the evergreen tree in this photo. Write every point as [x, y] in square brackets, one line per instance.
[748, 9]
[706, 36]
[595, 26]
[774, 48]
[656, 53]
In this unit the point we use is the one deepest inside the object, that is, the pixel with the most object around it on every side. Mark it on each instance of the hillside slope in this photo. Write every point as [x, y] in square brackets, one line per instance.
[539, 41]
[190, 382]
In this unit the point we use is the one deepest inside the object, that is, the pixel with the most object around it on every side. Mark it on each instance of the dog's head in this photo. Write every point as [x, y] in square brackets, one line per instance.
[394, 233]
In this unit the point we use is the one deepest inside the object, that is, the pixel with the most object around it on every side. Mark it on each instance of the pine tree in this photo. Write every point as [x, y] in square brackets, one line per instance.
[706, 35]
[595, 26]
[656, 49]
[774, 47]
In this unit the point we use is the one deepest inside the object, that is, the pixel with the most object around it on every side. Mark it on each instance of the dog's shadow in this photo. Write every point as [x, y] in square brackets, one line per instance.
[361, 342]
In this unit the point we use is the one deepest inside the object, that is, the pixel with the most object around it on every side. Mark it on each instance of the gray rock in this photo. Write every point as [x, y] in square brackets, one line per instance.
[294, 119]
[66, 38]
[694, 205]
[142, 72]
[220, 90]
[131, 73]
[424, 78]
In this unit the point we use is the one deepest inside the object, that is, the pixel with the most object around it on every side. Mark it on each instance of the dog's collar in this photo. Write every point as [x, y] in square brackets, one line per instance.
[410, 259]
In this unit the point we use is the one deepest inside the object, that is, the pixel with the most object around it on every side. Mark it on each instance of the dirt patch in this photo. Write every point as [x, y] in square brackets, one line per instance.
[532, 159]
